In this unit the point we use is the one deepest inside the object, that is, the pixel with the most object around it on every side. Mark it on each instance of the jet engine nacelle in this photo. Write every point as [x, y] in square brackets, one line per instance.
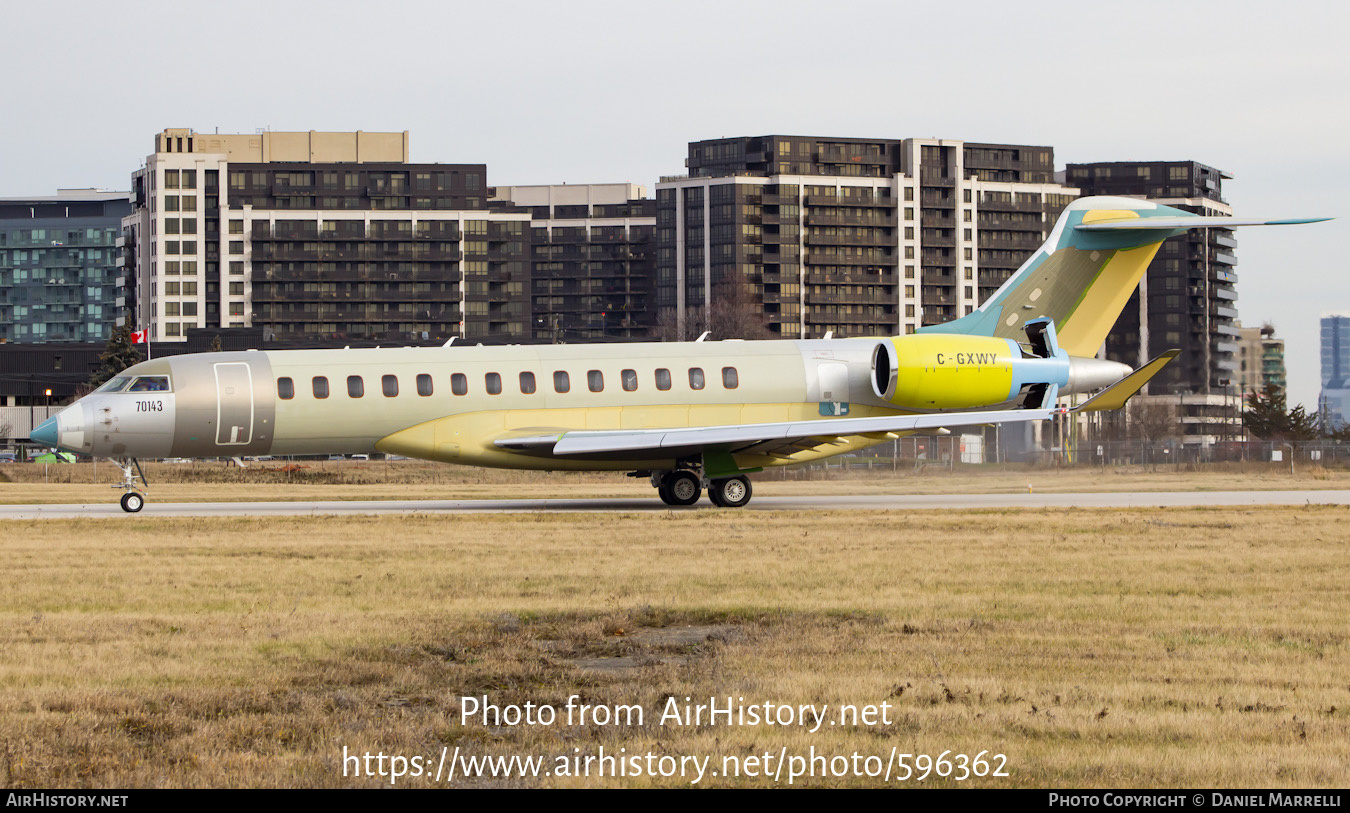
[948, 371]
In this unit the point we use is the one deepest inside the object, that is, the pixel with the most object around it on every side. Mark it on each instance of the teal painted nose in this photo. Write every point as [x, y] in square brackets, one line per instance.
[45, 433]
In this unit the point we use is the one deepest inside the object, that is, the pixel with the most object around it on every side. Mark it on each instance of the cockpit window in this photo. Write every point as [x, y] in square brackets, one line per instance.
[150, 383]
[115, 384]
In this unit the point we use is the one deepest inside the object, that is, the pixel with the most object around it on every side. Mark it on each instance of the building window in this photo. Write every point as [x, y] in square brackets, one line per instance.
[423, 384]
[285, 389]
[629, 380]
[320, 386]
[527, 383]
[355, 386]
[561, 382]
[494, 383]
[696, 378]
[389, 384]
[729, 378]
[662, 379]
[459, 384]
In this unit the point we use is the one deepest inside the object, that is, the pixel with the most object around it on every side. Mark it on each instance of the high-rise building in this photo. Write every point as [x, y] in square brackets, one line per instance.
[1188, 298]
[850, 236]
[59, 269]
[1260, 360]
[318, 236]
[1334, 401]
[591, 254]
[321, 235]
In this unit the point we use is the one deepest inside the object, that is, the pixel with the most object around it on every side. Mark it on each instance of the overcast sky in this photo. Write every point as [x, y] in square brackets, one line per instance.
[591, 92]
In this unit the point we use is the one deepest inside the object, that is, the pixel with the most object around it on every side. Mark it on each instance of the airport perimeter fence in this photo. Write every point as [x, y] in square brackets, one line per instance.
[918, 453]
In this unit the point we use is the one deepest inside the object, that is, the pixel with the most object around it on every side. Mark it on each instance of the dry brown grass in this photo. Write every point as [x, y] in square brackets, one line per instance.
[1201, 647]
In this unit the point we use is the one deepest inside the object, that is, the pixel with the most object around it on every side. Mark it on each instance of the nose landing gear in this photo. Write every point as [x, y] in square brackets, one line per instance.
[133, 500]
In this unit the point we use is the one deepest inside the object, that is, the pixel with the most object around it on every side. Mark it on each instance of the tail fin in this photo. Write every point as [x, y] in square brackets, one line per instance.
[1086, 271]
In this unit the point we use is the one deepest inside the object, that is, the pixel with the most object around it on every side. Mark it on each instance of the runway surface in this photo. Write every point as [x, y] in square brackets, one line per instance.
[1123, 499]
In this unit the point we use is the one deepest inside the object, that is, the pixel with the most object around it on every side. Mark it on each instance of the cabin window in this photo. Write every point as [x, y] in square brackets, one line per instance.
[494, 383]
[696, 378]
[561, 382]
[389, 384]
[527, 383]
[459, 384]
[629, 380]
[355, 386]
[150, 383]
[423, 384]
[595, 380]
[320, 387]
[285, 389]
[729, 378]
[662, 379]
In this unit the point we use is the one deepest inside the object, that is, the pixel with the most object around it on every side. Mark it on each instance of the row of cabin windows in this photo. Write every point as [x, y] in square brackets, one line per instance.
[492, 382]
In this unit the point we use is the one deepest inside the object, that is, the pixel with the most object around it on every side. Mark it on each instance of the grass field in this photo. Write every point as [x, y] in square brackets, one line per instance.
[1203, 647]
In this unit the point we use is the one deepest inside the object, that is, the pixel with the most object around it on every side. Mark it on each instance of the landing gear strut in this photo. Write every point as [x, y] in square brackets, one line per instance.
[133, 500]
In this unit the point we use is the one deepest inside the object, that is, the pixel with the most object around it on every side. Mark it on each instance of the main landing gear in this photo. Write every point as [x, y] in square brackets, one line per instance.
[684, 487]
[133, 500]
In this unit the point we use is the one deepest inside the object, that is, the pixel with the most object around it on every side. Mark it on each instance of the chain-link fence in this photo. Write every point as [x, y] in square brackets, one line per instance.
[972, 451]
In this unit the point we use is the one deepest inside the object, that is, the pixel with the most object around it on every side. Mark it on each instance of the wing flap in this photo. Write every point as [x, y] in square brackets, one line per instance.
[804, 434]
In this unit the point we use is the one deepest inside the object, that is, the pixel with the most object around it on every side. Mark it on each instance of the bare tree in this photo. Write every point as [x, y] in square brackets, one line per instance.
[1155, 421]
[733, 313]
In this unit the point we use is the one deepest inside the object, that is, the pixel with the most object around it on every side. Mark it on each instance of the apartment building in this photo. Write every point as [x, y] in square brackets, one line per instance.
[321, 236]
[848, 236]
[591, 259]
[60, 280]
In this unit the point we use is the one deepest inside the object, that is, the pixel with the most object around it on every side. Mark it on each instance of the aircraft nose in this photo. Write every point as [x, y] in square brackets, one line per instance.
[45, 433]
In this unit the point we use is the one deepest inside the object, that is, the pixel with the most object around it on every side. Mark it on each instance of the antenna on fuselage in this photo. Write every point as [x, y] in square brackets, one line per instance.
[703, 336]
[450, 342]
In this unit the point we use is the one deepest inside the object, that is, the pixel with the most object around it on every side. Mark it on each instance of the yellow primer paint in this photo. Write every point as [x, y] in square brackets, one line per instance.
[1106, 215]
[468, 438]
[1115, 396]
[1083, 332]
[947, 371]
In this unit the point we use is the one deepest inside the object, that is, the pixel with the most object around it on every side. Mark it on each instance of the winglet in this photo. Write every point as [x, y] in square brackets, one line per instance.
[1115, 396]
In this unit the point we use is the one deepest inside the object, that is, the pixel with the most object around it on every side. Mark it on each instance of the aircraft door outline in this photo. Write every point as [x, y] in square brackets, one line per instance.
[234, 403]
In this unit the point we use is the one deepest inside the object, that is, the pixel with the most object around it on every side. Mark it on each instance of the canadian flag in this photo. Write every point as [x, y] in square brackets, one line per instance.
[140, 336]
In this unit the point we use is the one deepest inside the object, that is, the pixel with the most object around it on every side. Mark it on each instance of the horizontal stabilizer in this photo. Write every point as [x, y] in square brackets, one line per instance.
[1115, 396]
[1155, 223]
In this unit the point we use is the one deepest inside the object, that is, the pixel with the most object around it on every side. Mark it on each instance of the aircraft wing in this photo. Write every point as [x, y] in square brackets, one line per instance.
[774, 439]
[1154, 223]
